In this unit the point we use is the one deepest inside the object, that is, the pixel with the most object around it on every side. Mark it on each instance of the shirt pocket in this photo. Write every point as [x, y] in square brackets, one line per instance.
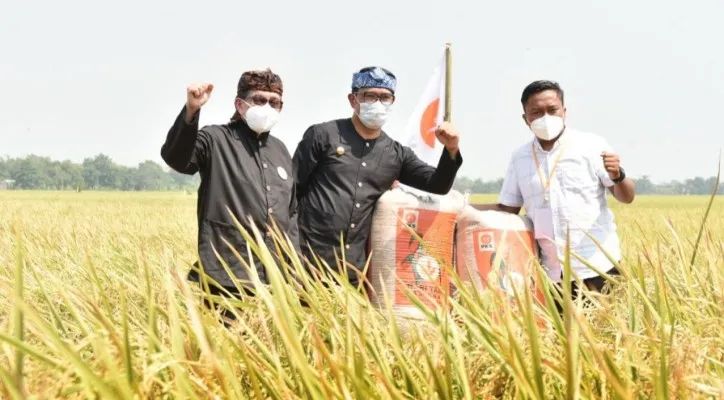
[214, 235]
[575, 175]
[529, 183]
[320, 224]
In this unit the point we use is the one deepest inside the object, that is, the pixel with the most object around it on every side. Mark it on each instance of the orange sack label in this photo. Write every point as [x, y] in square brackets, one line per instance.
[421, 267]
[515, 252]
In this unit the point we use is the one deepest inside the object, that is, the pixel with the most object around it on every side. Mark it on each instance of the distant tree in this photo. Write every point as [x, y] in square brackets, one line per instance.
[150, 176]
[74, 174]
[32, 172]
[463, 183]
[644, 185]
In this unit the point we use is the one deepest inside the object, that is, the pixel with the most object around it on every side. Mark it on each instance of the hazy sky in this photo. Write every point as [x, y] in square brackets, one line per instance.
[82, 77]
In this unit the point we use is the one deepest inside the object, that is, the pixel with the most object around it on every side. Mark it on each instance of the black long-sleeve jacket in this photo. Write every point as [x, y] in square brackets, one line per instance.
[248, 173]
[340, 176]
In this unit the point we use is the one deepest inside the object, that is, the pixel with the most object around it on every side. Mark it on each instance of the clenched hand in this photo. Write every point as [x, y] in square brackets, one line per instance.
[196, 96]
[449, 137]
[612, 163]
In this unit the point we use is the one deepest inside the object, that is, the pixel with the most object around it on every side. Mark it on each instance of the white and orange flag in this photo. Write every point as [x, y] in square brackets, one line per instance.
[419, 134]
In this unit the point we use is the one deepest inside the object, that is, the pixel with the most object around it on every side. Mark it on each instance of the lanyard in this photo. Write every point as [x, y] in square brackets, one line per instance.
[546, 182]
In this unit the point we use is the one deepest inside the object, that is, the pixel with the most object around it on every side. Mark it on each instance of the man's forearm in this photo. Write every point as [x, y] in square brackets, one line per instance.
[433, 180]
[453, 153]
[487, 207]
[496, 207]
[180, 143]
[190, 115]
[625, 192]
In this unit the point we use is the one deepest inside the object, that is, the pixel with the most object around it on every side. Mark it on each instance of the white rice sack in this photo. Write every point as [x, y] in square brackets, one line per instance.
[399, 260]
[495, 250]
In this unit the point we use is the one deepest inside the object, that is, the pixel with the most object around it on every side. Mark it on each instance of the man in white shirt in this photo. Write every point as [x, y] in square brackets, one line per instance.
[560, 177]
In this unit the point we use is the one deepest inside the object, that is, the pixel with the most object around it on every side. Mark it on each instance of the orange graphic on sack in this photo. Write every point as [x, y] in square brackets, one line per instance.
[421, 266]
[515, 253]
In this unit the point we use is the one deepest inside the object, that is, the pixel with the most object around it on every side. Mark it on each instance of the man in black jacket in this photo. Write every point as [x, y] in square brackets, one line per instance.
[343, 166]
[242, 167]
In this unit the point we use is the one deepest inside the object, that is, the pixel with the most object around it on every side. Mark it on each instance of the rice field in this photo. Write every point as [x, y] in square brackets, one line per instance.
[94, 304]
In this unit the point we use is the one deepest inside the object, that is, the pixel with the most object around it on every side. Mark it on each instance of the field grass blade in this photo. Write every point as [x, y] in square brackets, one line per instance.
[409, 372]
[69, 355]
[662, 381]
[177, 337]
[153, 342]
[32, 352]
[98, 286]
[19, 317]
[9, 386]
[572, 367]
[127, 353]
[57, 320]
[702, 226]
[531, 329]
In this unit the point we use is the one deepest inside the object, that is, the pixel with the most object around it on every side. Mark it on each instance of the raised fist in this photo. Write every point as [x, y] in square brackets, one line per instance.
[612, 163]
[197, 95]
[448, 135]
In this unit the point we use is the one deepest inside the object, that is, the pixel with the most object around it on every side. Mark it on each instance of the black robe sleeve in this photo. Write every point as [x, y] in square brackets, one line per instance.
[418, 174]
[186, 148]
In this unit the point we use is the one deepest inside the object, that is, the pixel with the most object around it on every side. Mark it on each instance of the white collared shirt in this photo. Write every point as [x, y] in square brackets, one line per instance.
[576, 199]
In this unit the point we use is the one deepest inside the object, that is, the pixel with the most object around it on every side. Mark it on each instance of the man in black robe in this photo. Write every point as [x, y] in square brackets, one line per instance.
[242, 167]
[342, 167]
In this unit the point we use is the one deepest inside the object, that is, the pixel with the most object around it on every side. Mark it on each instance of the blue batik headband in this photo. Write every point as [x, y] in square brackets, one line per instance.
[374, 78]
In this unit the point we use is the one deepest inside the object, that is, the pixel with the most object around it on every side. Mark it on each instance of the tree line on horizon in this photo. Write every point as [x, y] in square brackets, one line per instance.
[34, 172]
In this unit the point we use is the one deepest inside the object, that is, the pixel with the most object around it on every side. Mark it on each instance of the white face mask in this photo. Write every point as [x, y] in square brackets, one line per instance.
[261, 118]
[373, 115]
[547, 127]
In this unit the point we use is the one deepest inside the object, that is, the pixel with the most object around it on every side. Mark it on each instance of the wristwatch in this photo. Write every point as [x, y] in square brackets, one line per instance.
[621, 176]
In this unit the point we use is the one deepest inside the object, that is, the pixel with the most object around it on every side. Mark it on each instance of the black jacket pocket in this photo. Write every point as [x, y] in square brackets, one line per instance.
[226, 240]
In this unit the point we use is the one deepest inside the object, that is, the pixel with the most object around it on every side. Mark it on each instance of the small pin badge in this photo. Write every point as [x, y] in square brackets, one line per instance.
[340, 150]
[282, 173]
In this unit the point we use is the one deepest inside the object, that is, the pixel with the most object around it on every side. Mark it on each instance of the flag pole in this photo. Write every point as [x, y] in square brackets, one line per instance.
[448, 74]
